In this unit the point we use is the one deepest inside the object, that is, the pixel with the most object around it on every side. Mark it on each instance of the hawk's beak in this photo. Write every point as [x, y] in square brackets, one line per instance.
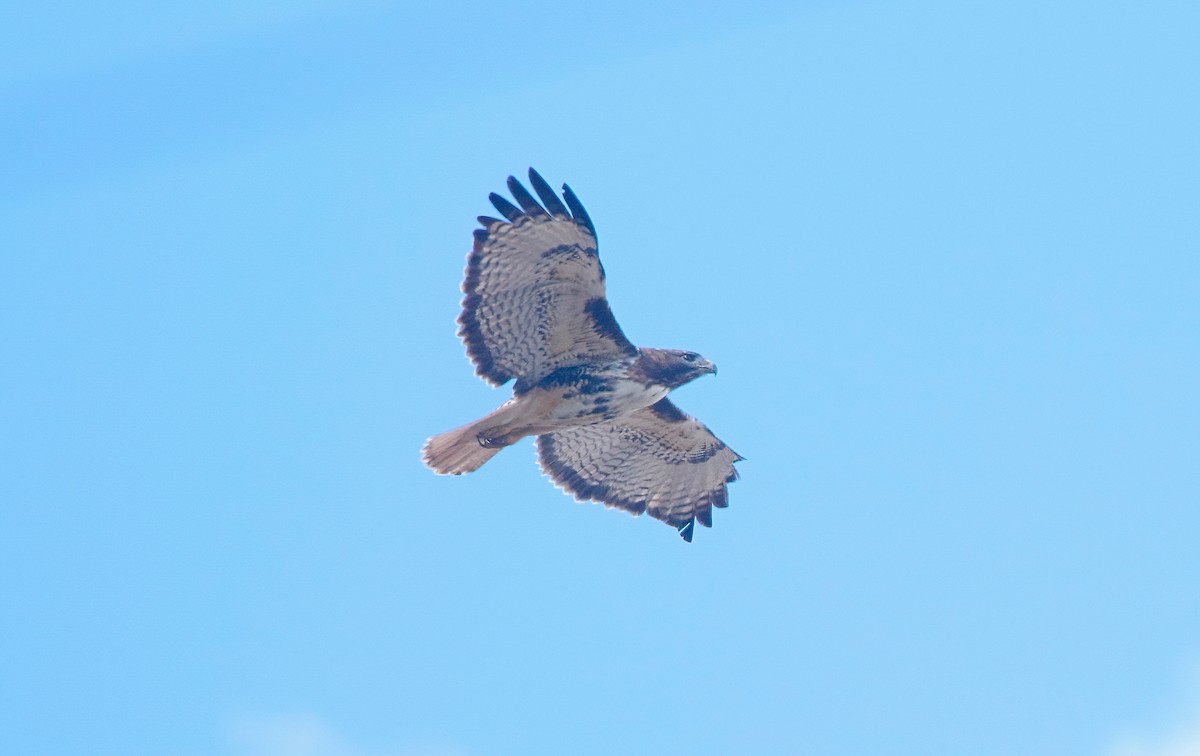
[712, 368]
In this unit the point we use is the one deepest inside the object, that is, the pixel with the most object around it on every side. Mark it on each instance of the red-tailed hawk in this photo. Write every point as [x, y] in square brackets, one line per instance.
[535, 311]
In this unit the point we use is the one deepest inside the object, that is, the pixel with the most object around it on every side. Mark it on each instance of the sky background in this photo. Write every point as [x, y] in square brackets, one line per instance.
[945, 254]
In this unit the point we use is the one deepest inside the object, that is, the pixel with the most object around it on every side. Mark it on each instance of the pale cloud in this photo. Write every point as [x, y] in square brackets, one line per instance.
[1180, 738]
[307, 735]
[1185, 741]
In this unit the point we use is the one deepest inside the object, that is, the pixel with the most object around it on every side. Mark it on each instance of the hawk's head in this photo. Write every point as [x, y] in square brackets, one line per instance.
[670, 367]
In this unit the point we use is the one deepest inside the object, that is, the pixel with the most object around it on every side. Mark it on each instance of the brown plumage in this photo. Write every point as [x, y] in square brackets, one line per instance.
[535, 311]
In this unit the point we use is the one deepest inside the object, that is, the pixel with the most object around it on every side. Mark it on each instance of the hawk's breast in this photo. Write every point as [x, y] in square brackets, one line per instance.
[614, 399]
[594, 393]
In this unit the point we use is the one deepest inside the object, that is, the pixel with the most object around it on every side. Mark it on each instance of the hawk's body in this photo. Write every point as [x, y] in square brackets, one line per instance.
[535, 311]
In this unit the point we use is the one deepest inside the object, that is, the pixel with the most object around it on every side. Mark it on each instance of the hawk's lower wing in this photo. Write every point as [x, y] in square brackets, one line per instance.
[657, 460]
[534, 287]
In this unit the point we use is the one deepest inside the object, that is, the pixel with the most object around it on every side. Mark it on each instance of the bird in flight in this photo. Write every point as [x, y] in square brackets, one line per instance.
[535, 311]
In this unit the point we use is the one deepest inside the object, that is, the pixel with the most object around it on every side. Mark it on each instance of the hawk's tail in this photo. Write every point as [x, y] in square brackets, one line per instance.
[456, 452]
[465, 449]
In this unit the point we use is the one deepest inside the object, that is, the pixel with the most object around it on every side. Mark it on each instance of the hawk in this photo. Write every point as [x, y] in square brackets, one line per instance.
[535, 311]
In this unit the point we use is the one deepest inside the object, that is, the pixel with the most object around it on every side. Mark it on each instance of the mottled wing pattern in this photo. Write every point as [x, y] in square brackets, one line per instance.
[534, 289]
[657, 460]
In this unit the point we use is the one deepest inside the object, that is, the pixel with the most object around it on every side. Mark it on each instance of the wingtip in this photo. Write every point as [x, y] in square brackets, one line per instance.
[514, 187]
[577, 212]
[687, 529]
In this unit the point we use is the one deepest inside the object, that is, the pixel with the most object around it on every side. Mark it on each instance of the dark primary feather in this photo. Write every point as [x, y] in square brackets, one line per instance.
[524, 198]
[506, 208]
[686, 530]
[549, 198]
[580, 215]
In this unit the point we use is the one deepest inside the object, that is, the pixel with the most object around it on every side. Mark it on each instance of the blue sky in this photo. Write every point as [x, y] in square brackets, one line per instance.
[945, 255]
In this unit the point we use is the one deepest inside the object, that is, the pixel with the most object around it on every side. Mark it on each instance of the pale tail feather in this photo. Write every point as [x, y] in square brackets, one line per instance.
[459, 451]
[456, 452]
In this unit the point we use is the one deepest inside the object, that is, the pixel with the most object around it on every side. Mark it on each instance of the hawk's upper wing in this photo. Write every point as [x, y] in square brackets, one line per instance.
[535, 290]
[655, 460]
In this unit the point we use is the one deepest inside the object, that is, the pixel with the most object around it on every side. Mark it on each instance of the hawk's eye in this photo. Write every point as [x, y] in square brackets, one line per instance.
[689, 357]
